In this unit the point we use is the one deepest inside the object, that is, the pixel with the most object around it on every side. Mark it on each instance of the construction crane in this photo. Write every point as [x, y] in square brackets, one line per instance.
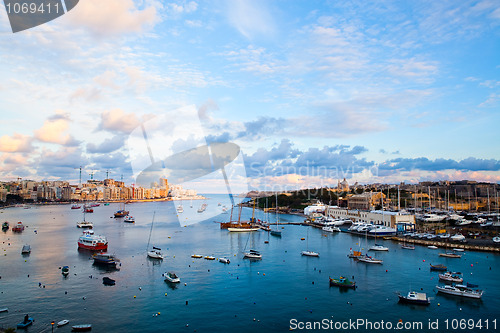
[80, 184]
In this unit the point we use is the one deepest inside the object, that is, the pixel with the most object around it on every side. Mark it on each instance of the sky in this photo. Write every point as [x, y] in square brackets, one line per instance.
[310, 91]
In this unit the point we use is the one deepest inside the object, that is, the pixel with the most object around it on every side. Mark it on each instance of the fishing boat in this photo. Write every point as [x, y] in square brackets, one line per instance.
[155, 253]
[354, 254]
[82, 328]
[19, 227]
[369, 260]
[342, 282]
[108, 281]
[439, 267]
[171, 277]
[26, 322]
[121, 212]
[450, 255]
[196, 256]
[460, 290]
[65, 270]
[451, 277]
[5, 226]
[106, 259]
[88, 210]
[62, 322]
[76, 207]
[378, 247]
[26, 249]
[209, 258]
[252, 254]
[129, 219]
[89, 241]
[331, 229]
[224, 260]
[415, 298]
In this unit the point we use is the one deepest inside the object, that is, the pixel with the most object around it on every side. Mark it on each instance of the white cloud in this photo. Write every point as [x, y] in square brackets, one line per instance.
[55, 130]
[251, 17]
[16, 143]
[117, 120]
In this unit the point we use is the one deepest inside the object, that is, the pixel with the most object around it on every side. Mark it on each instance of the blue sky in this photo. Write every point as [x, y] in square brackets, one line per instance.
[311, 91]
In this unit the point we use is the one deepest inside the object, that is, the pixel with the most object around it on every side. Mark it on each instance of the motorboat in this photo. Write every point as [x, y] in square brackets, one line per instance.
[85, 224]
[62, 322]
[107, 259]
[460, 290]
[310, 254]
[496, 239]
[378, 247]
[342, 282]
[382, 230]
[252, 254]
[171, 277]
[26, 249]
[5, 226]
[197, 256]
[26, 322]
[369, 260]
[408, 247]
[202, 208]
[331, 229]
[209, 258]
[81, 328]
[224, 260]
[180, 209]
[90, 241]
[19, 227]
[4, 310]
[450, 255]
[129, 219]
[414, 297]
[457, 238]
[76, 207]
[242, 229]
[155, 253]
[432, 247]
[451, 277]
[108, 281]
[65, 270]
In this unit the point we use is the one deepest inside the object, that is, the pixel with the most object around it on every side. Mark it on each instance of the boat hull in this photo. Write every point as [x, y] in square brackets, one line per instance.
[97, 247]
[458, 293]
[404, 299]
[242, 229]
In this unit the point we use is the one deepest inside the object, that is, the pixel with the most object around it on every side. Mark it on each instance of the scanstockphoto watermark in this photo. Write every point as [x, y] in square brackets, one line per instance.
[359, 324]
[311, 169]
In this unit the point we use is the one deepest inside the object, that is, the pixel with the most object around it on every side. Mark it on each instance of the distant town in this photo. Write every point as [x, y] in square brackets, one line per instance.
[30, 191]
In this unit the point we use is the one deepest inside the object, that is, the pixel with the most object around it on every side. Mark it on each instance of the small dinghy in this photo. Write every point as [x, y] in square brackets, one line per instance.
[63, 322]
[4, 310]
[26, 322]
[108, 281]
[81, 328]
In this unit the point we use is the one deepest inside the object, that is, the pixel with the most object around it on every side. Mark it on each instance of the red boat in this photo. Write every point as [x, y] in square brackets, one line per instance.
[89, 241]
[19, 227]
[89, 210]
[76, 207]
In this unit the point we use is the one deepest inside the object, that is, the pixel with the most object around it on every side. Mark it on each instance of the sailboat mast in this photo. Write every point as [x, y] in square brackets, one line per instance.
[151, 230]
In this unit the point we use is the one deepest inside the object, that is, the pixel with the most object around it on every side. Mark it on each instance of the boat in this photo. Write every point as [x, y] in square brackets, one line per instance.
[121, 212]
[4, 310]
[65, 270]
[382, 230]
[450, 255]
[202, 208]
[108, 281]
[342, 282]
[224, 260]
[106, 204]
[310, 253]
[5, 226]
[26, 322]
[85, 223]
[242, 229]
[180, 209]
[252, 254]
[107, 259]
[459, 250]
[369, 260]
[238, 225]
[155, 253]
[90, 241]
[76, 207]
[129, 219]
[460, 290]
[19, 227]
[82, 328]
[88, 210]
[378, 247]
[408, 247]
[415, 298]
[450, 277]
[276, 232]
[354, 254]
[433, 247]
[209, 258]
[26, 249]
[171, 277]
[331, 229]
[496, 239]
[439, 267]
[62, 322]
[196, 256]
[458, 238]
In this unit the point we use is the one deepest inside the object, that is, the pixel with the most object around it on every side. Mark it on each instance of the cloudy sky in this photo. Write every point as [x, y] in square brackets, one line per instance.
[311, 91]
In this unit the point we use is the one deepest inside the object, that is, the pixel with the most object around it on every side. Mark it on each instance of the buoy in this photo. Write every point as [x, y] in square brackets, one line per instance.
[439, 304]
[159, 313]
[135, 296]
[140, 288]
[186, 302]
[264, 274]
[185, 284]
[165, 294]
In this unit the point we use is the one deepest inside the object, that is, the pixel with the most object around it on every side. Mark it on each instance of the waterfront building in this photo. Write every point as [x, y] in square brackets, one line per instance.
[397, 220]
[365, 201]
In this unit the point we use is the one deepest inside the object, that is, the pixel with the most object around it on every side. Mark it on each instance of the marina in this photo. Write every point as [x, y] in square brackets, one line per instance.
[209, 292]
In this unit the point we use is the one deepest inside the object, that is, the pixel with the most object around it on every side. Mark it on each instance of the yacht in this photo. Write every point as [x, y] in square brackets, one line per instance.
[89, 241]
[382, 230]
[369, 260]
[331, 229]
[457, 237]
[378, 247]
[252, 254]
[310, 253]
[460, 290]
[451, 277]
[415, 298]
[155, 253]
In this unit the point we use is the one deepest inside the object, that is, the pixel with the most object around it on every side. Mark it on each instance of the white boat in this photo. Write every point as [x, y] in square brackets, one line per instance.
[180, 209]
[459, 250]
[433, 218]
[202, 208]
[460, 290]
[331, 229]
[432, 247]
[310, 253]
[209, 257]
[155, 253]
[129, 219]
[62, 322]
[26, 249]
[450, 255]
[252, 254]
[450, 277]
[242, 229]
[171, 277]
[378, 247]
[85, 224]
[408, 247]
[382, 230]
[414, 297]
[496, 239]
[369, 260]
[457, 237]
[317, 207]
[4, 310]
[224, 260]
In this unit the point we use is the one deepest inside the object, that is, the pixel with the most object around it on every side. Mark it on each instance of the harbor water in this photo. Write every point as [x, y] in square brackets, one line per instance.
[243, 296]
